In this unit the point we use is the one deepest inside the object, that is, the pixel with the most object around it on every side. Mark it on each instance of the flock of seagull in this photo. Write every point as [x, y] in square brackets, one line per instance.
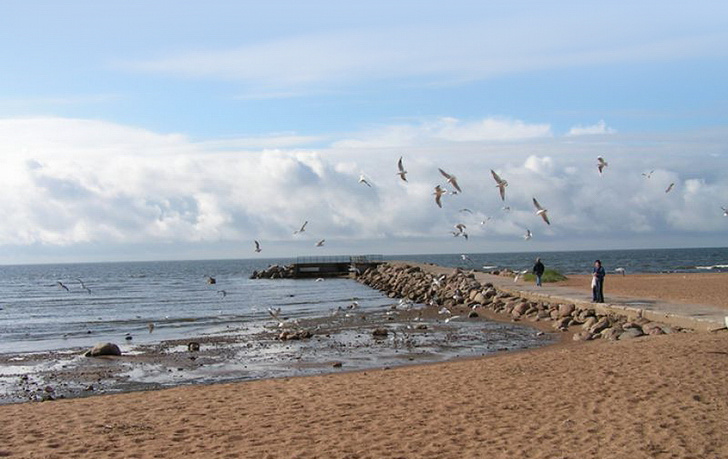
[501, 184]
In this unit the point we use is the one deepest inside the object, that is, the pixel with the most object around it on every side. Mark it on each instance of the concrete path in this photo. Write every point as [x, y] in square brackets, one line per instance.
[692, 316]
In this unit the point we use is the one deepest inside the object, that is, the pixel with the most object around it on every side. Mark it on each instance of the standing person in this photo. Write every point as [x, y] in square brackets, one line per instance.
[538, 270]
[598, 274]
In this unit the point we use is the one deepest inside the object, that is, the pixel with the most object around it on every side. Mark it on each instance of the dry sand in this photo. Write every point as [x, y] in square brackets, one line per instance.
[691, 288]
[655, 396]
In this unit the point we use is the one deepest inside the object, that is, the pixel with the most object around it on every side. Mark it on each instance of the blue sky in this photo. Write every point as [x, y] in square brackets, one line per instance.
[141, 130]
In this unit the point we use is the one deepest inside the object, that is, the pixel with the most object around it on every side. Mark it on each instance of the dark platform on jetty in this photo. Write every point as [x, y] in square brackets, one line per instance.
[331, 266]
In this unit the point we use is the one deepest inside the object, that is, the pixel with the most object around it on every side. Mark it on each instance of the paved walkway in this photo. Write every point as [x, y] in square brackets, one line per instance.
[692, 316]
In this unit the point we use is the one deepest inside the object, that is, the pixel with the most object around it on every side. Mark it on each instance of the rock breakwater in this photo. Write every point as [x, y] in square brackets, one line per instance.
[462, 289]
[274, 272]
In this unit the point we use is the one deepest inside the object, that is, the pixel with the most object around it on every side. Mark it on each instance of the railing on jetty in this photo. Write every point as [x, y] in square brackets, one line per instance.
[330, 266]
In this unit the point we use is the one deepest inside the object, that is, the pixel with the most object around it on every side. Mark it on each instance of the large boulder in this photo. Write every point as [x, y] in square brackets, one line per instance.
[104, 349]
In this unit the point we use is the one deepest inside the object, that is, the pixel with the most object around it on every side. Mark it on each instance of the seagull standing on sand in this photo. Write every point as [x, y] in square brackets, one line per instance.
[402, 173]
[257, 246]
[363, 180]
[601, 164]
[439, 192]
[528, 235]
[669, 187]
[620, 270]
[541, 211]
[452, 180]
[501, 184]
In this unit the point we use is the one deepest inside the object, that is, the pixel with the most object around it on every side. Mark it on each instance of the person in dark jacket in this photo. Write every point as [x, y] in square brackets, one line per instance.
[598, 274]
[538, 270]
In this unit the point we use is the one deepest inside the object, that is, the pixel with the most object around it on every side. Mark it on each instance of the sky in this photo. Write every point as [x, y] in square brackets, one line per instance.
[138, 130]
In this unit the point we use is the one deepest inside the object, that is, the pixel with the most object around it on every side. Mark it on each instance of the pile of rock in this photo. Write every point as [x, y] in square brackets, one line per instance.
[274, 272]
[461, 289]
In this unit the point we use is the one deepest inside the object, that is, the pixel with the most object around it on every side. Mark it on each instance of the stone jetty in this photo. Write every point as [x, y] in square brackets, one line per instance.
[461, 289]
[274, 272]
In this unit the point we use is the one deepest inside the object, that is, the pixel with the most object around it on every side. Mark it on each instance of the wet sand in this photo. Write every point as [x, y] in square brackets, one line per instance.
[653, 396]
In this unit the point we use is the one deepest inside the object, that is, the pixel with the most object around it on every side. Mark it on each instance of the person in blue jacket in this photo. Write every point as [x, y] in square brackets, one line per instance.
[598, 282]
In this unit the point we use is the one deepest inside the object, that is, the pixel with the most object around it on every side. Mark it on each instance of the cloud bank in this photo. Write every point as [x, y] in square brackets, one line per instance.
[72, 182]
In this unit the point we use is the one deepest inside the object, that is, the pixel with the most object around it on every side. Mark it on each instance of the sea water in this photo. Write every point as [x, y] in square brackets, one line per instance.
[122, 299]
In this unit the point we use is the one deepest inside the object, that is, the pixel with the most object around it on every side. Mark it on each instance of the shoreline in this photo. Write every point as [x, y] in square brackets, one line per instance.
[657, 396]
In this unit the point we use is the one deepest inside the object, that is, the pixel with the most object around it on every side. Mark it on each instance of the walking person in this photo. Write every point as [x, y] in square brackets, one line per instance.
[598, 274]
[538, 270]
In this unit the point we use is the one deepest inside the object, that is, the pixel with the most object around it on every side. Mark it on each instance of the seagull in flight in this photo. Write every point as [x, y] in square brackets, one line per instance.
[601, 164]
[725, 211]
[501, 184]
[620, 270]
[363, 180]
[451, 179]
[275, 313]
[210, 280]
[223, 293]
[402, 173]
[669, 187]
[528, 235]
[466, 210]
[302, 229]
[439, 192]
[648, 175]
[62, 286]
[257, 246]
[466, 258]
[506, 208]
[485, 221]
[541, 212]
[83, 286]
[519, 275]
[320, 243]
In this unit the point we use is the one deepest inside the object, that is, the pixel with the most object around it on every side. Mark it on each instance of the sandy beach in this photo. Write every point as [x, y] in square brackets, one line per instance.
[690, 288]
[653, 396]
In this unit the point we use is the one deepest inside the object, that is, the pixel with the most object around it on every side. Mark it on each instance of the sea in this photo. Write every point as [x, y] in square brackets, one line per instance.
[109, 301]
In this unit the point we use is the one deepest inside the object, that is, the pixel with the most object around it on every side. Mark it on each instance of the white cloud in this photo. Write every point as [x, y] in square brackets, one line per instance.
[447, 130]
[70, 182]
[599, 128]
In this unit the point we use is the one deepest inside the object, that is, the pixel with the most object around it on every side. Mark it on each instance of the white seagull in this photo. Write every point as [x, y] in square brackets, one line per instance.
[501, 184]
[466, 210]
[519, 275]
[528, 235]
[439, 192]
[601, 164]
[257, 246]
[62, 286]
[620, 270]
[402, 173]
[725, 211]
[363, 180]
[302, 229]
[451, 179]
[541, 212]
[83, 286]
[320, 243]
[648, 175]
[669, 187]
